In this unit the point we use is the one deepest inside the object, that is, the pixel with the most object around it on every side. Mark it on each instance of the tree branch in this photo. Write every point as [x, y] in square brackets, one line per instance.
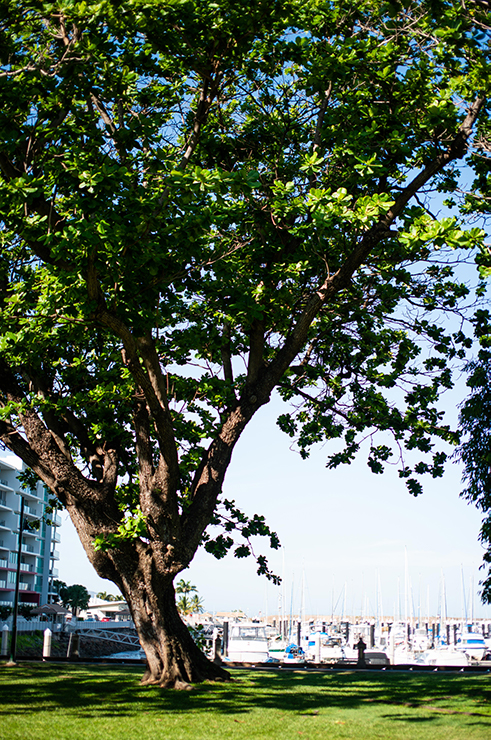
[41, 451]
[167, 473]
[256, 350]
[226, 353]
[149, 378]
[141, 425]
[103, 113]
[456, 150]
[320, 117]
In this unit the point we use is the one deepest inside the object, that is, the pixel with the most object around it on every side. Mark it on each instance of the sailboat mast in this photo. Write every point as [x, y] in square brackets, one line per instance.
[444, 609]
[471, 597]
[406, 590]
[381, 608]
[464, 605]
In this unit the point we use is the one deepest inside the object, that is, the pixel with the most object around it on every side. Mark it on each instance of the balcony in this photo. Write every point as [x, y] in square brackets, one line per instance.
[54, 573]
[3, 584]
[56, 538]
[27, 567]
[29, 495]
[56, 519]
[55, 555]
[29, 510]
[3, 524]
[27, 548]
[26, 533]
[24, 586]
[4, 563]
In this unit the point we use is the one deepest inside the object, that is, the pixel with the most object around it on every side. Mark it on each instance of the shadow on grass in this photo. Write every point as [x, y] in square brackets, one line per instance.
[106, 691]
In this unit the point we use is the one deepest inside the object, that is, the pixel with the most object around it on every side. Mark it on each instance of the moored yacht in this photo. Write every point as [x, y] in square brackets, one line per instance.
[323, 648]
[247, 643]
[444, 656]
[473, 644]
[293, 655]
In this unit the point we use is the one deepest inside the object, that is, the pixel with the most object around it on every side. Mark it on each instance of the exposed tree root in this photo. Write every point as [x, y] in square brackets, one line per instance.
[175, 680]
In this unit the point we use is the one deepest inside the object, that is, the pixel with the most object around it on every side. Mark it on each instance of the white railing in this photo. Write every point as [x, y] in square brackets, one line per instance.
[28, 510]
[3, 584]
[24, 625]
[31, 492]
[3, 563]
[28, 533]
[23, 586]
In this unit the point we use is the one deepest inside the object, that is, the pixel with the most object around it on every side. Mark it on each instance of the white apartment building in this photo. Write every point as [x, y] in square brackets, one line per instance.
[38, 553]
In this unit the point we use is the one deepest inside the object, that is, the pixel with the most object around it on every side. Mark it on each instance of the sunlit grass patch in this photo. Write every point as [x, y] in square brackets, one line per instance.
[46, 701]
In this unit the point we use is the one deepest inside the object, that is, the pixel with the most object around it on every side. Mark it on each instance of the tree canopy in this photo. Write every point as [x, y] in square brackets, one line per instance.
[475, 449]
[205, 203]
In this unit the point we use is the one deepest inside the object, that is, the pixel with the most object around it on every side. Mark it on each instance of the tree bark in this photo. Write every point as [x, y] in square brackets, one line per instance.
[173, 658]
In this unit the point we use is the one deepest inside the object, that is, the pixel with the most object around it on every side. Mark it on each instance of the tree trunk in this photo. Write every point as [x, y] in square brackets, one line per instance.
[173, 658]
[146, 582]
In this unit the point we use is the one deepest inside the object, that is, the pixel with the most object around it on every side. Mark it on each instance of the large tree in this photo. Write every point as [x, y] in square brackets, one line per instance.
[75, 596]
[202, 202]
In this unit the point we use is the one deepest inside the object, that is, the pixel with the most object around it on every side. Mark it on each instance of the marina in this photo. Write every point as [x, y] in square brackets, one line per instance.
[317, 642]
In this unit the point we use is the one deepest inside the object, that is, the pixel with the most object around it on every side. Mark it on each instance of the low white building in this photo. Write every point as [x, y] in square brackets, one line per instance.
[99, 610]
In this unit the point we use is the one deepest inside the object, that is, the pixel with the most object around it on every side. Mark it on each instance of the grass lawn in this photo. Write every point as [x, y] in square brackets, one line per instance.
[40, 701]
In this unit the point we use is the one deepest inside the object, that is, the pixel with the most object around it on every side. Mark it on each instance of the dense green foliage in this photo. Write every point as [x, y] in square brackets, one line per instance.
[75, 596]
[25, 610]
[475, 450]
[204, 202]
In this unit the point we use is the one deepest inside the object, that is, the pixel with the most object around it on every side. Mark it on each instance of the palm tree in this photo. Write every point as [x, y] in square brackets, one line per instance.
[197, 604]
[104, 596]
[184, 605]
[185, 587]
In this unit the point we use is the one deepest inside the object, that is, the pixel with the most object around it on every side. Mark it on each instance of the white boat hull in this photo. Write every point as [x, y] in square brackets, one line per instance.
[445, 657]
[245, 655]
